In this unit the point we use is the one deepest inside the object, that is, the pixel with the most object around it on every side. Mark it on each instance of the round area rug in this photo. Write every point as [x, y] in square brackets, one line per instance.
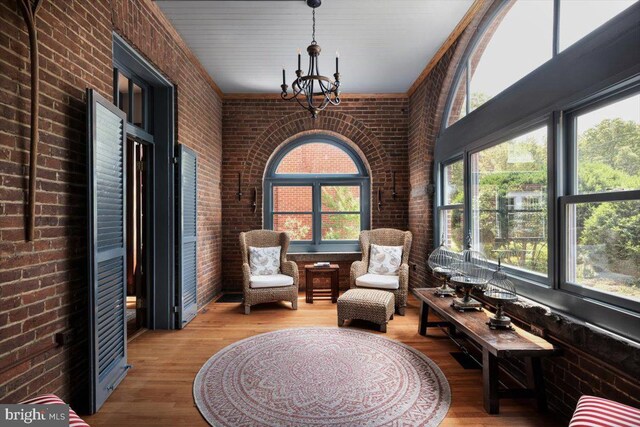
[321, 377]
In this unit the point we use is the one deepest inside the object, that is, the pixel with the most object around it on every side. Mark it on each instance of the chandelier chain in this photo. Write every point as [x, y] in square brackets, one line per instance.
[313, 36]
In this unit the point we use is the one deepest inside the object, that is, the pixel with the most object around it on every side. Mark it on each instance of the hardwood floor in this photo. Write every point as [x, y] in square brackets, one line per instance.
[158, 390]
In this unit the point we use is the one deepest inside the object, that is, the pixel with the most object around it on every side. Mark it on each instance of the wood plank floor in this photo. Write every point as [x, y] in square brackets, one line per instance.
[158, 390]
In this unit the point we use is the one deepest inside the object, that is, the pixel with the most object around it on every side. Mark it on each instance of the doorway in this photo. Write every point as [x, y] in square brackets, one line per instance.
[138, 233]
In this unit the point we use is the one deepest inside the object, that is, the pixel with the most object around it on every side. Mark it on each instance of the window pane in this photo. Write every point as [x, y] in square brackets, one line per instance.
[340, 226]
[459, 101]
[340, 199]
[580, 17]
[298, 226]
[509, 201]
[453, 183]
[514, 45]
[138, 106]
[292, 199]
[603, 251]
[609, 147]
[452, 230]
[123, 95]
[317, 158]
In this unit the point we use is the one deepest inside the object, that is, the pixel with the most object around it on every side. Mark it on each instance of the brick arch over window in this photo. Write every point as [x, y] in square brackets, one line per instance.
[339, 125]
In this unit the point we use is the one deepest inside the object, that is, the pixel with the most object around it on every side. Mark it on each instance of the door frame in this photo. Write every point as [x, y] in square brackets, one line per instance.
[161, 288]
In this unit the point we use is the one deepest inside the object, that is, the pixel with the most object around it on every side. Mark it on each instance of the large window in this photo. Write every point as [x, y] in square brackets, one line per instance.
[317, 190]
[602, 212]
[551, 162]
[509, 201]
[519, 39]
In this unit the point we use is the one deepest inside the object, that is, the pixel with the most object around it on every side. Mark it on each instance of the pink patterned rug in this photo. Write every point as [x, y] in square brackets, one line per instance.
[321, 377]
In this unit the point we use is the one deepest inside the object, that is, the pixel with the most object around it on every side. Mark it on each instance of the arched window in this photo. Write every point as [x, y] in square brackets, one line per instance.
[540, 169]
[317, 190]
[519, 38]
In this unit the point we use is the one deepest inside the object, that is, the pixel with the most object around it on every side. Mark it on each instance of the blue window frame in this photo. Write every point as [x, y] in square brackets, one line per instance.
[323, 210]
[570, 85]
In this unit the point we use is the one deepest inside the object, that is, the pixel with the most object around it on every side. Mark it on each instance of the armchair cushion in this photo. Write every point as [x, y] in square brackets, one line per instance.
[264, 261]
[378, 281]
[270, 281]
[385, 259]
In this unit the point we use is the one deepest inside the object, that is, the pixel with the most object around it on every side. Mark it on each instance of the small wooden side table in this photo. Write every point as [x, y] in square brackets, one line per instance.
[312, 272]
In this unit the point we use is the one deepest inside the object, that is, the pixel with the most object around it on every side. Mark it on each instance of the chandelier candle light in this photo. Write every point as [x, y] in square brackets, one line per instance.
[312, 91]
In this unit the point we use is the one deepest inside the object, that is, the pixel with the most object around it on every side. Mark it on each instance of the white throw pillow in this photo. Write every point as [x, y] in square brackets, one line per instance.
[385, 259]
[264, 261]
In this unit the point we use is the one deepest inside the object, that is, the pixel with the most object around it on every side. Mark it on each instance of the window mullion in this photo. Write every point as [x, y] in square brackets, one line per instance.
[555, 47]
[317, 213]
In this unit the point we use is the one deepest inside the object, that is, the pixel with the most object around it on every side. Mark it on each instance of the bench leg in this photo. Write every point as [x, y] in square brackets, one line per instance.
[535, 381]
[490, 382]
[424, 316]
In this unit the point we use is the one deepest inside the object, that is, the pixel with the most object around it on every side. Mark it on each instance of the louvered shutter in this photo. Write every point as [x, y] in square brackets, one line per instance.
[107, 245]
[187, 274]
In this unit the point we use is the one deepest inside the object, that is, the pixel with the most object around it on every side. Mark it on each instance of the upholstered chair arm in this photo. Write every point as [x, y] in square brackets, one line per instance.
[290, 268]
[246, 276]
[358, 268]
[403, 272]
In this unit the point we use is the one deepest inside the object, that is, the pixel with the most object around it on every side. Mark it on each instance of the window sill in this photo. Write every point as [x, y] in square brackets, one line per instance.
[324, 256]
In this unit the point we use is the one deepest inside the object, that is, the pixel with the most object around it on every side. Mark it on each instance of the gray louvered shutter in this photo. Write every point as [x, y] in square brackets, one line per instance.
[187, 274]
[107, 245]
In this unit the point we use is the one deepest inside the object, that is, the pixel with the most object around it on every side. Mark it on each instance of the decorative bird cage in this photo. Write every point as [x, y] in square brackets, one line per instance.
[500, 290]
[441, 262]
[473, 272]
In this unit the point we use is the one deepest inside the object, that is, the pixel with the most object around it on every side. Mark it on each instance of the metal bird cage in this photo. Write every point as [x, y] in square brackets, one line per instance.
[473, 272]
[441, 262]
[500, 290]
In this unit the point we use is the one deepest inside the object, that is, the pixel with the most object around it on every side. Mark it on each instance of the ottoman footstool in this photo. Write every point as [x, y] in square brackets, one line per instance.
[366, 304]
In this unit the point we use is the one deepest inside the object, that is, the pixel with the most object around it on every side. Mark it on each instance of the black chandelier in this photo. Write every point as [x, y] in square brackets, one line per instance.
[313, 91]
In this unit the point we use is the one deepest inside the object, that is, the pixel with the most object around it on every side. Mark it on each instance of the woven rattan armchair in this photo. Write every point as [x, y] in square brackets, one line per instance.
[252, 296]
[386, 237]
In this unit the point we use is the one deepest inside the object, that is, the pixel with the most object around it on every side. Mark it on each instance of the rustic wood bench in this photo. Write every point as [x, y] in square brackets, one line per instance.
[495, 344]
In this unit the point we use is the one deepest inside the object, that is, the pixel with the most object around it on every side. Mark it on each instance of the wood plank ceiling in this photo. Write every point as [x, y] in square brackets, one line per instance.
[384, 45]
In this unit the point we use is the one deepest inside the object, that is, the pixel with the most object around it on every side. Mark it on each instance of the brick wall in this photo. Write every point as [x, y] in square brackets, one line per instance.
[589, 362]
[43, 285]
[253, 129]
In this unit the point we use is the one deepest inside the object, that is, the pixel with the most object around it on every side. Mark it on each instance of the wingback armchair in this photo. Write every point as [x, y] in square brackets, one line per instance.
[398, 285]
[261, 289]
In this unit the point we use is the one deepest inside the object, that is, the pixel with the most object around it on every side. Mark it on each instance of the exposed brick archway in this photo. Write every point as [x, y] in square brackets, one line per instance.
[339, 125]
[255, 129]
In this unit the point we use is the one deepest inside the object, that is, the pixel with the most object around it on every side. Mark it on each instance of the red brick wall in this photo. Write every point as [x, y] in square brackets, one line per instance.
[43, 285]
[588, 362]
[253, 129]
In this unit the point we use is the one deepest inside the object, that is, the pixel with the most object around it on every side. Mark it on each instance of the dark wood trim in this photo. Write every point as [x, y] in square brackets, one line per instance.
[457, 31]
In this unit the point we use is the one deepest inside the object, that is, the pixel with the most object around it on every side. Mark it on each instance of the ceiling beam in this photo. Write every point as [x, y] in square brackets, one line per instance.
[462, 25]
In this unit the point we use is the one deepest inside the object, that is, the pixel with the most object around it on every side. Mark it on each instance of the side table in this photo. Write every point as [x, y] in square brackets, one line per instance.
[332, 272]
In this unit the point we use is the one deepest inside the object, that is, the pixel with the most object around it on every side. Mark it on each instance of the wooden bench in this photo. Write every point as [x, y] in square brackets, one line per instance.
[495, 344]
